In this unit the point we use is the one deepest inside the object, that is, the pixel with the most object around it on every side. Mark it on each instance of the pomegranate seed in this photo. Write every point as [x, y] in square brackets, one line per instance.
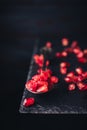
[31, 85]
[80, 78]
[76, 50]
[82, 60]
[85, 87]
[68, 79]
[74, 44]
[79, 70]
[64, 64]
[58, 55]
[65, 42]
[48, 44]
[47, 63]
[80, 54]
[54, 79]
[85, 51]
[71, 74]
[42, 89]
[63, 70]
[64, 54]
[71, 87]
[28, 102]
[80, 85]
[84, 74]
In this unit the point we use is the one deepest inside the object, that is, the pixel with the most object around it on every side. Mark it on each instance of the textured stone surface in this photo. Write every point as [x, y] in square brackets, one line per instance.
[59, 100]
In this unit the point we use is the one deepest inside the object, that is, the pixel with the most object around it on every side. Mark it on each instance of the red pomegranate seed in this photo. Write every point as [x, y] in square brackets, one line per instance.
[42, 89]
[68, 79]
[48, 44]
[80, 54]
[28, 102]
[74, 44]
[85, 87]
[64, 64]
[82, 60]
[84, 74]
[64, 54]
[76, 50]
[80, 78]
[85, 51]
[31, 85]
[63, 70]
[79, 70]
[71, 74]
[58, 55]
[71, 87]
[80, 85]
[54, 79]
[47, 63]
[65, 42]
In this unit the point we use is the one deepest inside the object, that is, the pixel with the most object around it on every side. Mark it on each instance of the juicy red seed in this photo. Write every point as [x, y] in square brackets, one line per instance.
[80, 78]
[58, 55]
[80, 55]
[85, 87]
[68, 79]
[54, 79]
[47, 63]
[76, 50]
[74, 44]
[80, 85]
[79, 70]
[71, 87]
[28, 102]
[71, 74]
[64, 64]
[64, 54]
[63, 70]
[48, 44]
[43, 89]
[82, 60]
[65, 41]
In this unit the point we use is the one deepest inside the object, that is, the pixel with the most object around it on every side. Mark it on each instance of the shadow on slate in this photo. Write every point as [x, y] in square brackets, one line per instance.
[59, 100]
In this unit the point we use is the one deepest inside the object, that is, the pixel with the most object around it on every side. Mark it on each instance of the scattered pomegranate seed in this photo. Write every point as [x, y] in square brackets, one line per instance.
[71, 87]
[65, 42]
[48, 44]
[64, 54]
[28, 102]
[85, 51]
[43, 89]
[58, 55]
[63, 70]
[79, 70]
[47, 63]
[68, 79]
[76, 50]
[70, 74]
[82, 60]
[80, 85]
[54, 79]
[64, 64]
[80, 54]
[74, 44]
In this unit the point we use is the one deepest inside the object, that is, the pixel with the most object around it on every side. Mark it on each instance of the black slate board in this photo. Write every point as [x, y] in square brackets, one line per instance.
[59, 100]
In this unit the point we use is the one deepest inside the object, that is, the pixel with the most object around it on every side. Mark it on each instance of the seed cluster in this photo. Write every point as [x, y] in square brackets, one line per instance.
[44, 79]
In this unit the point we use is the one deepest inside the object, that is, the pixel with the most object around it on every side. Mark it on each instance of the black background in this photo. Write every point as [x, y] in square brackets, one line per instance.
[21, 23]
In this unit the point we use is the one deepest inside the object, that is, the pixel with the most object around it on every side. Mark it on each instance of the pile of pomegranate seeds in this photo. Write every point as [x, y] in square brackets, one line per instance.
[44, 80]
[41, 82]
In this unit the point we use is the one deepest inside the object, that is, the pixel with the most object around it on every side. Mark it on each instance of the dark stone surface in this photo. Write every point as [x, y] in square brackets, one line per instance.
[59, 100]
